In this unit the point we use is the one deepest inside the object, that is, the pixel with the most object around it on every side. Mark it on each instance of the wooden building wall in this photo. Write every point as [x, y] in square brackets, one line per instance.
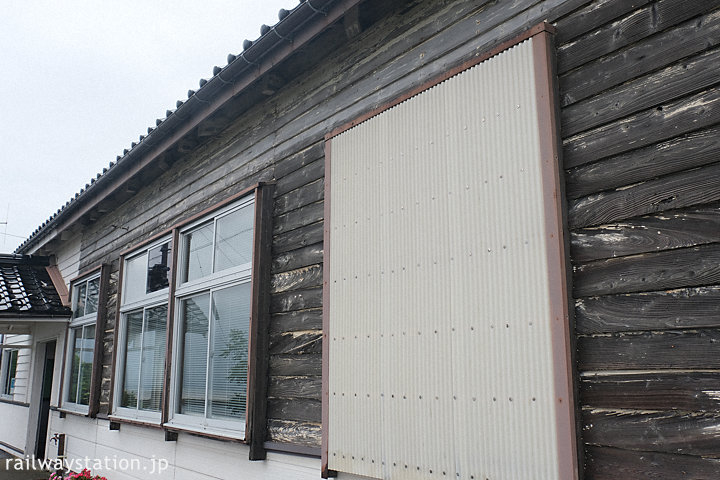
[640, 119]
[640, 122]
[335, 80]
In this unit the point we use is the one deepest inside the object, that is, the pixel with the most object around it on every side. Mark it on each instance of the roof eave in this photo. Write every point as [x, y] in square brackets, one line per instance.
[303, 23]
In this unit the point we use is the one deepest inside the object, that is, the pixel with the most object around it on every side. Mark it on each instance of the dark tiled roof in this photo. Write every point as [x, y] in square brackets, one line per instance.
[26, 288]
[290, 23]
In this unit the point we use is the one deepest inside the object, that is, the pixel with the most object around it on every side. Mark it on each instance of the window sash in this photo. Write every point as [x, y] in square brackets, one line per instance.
[218, 388]
[9, 370]
[144, 375]
[144, 283]
[85, 299]
[81, 354]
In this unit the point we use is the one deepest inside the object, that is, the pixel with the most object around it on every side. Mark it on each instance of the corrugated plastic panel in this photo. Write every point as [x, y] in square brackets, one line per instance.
[440, 346]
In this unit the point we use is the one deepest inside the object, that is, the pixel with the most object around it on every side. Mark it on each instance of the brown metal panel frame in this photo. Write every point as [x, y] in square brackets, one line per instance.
[325, 471]
[256, 411]
[100, 322]
[557, 254]
[546, 89]
[481, 57]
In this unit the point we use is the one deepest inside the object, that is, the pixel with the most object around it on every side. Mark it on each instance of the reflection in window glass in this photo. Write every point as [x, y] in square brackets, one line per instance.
[93, 291]
[198, 253]
[133, 339]
[144, 359]
[153, 359]
[158, 267]
[195, 323]
[233, 239]
[135, 275]
[79, 292]
[229, 364]
[81, 352]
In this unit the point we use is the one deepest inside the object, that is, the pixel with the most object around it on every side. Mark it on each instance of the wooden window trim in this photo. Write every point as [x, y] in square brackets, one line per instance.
[98, 346]
[256, 408]
[172, 240]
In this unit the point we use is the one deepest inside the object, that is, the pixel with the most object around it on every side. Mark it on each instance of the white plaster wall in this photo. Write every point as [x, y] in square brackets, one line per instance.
[189, 458]
[23, 366]
[67, 256]
[13, 426]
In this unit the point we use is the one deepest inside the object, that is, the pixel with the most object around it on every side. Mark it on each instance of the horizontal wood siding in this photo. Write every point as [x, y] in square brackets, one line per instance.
[280, 139]
[640, 125]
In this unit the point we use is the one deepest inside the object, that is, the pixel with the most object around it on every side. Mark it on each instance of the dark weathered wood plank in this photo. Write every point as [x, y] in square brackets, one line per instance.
[606, 463]
[296, 409]
[301, 159]
[298, 178]
[635, 26]
[652, 233]
[591, 17]
[298, 238]
[668, 432]
[678, 80]
[690, 113]
[296, 343]
[298, 433]
[684, 267]
[296, 300]
[685, 308]
[302, 257]
[684, 391]
[680, 190]
[298, 218]
[686, 39]
[304, 277]
[294, 365]
[295, 387]
[695, 149]
[305, 195]
[299, 320]
[685, 350]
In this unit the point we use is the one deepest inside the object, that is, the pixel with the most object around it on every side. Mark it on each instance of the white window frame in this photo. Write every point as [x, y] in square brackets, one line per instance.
[79, 323]
[230, 277]
[148, 301]
[6, 355]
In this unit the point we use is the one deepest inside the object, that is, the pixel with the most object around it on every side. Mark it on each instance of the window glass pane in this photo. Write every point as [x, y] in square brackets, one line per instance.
[76, 344]
[86, 358]
[79, 295]
[195, 313]
[133, 345]
[9, 386]
[135, 274]
[158, 267]
[153, 358]
[93, 290]
[198, 253]
[233, 242]
[228, 368]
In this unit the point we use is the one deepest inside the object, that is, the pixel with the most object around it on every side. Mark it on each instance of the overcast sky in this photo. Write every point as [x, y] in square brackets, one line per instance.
[81, 80]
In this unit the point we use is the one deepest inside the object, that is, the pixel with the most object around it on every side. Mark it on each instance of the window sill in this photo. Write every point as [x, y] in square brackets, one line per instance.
[8, 399]
[135, 421]
[206, 433]
[77, 413]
